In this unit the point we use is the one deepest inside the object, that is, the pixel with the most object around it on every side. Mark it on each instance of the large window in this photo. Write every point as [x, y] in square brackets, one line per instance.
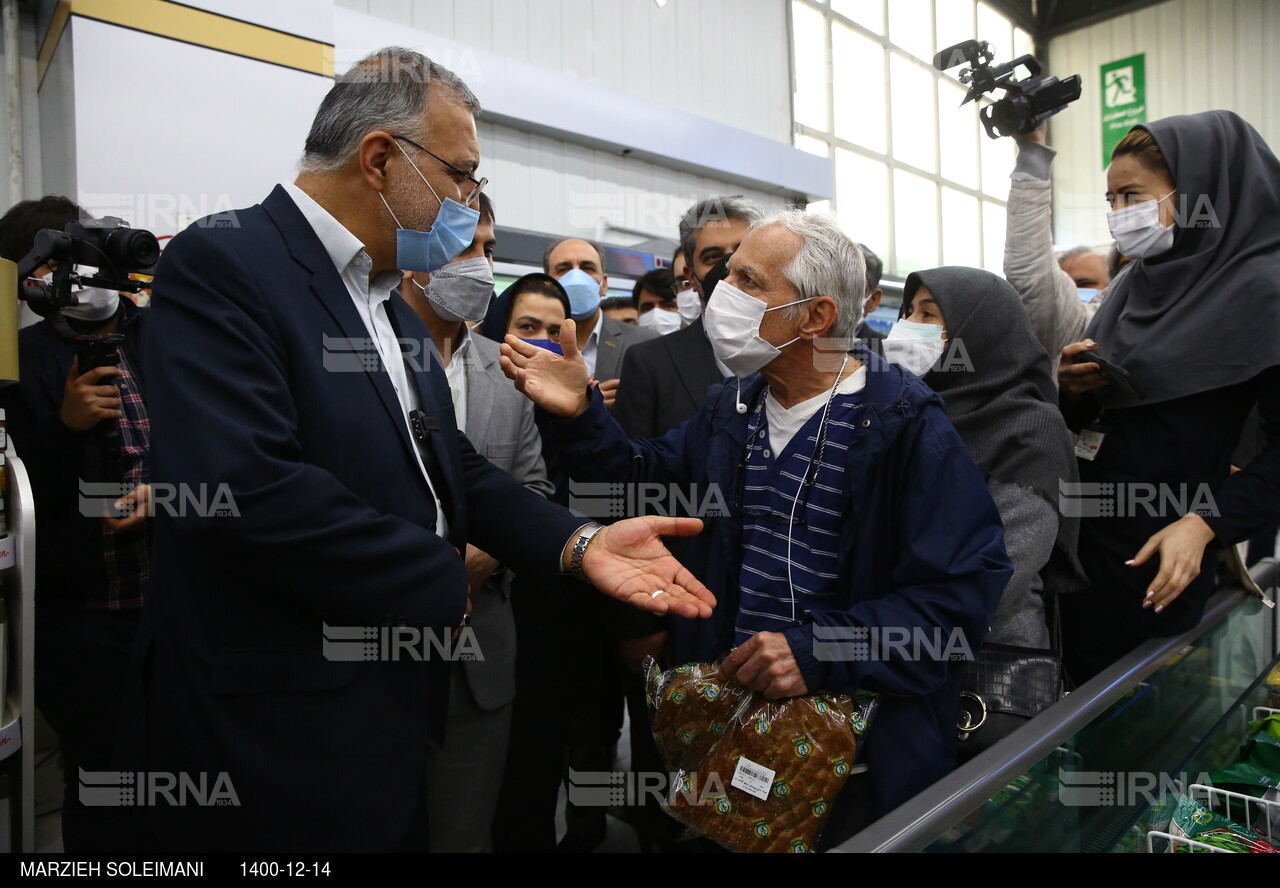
[917, 179]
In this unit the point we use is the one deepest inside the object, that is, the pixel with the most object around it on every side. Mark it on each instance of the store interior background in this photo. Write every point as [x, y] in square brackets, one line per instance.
[607, 118]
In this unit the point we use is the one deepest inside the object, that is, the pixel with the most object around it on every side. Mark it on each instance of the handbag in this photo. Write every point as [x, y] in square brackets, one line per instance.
[1004, 687]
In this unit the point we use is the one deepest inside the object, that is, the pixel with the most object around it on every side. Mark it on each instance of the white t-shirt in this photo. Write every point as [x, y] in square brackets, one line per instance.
[784, 422]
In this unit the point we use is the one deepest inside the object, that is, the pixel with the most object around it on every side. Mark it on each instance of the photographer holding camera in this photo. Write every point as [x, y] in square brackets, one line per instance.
[84, 436]
[1060, 295]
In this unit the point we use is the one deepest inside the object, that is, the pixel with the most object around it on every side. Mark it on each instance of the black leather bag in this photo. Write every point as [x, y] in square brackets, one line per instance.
[1003, 689]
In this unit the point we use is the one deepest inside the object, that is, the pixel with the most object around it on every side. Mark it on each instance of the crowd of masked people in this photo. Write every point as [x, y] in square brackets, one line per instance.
[916, 480]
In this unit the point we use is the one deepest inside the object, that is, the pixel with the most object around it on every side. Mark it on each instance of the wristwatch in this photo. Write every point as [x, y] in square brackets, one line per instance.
[584, 536]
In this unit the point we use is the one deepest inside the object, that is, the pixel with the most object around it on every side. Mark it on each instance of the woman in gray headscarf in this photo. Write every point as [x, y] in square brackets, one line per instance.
[1195, 323]
[997, 385]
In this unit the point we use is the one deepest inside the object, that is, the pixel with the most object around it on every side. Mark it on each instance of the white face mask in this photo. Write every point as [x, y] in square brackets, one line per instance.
[93, 304]
[460, 291]
[689, 305]
[732, 322]
[660, 320]
[913, 346]
[1138, 231]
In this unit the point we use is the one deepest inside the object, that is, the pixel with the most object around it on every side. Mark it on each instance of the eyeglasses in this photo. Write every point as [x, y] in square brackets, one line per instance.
[681, 286]
[479, 183]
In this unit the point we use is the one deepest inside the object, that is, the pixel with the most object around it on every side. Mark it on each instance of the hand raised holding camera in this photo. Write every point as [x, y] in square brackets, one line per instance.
[87, 400]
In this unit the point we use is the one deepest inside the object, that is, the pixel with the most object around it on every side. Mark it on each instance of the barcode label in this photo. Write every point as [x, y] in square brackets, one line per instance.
[753, 778]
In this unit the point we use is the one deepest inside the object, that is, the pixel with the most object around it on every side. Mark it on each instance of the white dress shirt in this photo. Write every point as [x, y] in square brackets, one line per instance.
[370, 298]
[457, 374]
[592, 348]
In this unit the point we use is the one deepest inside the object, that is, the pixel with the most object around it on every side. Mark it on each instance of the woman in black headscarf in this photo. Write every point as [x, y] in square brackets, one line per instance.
[999, 394]
[1195, 322]
[544, 318]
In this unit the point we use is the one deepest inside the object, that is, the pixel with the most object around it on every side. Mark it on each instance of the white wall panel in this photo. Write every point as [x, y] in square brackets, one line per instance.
[217, 135]
[563, 154]
[543, 184]
[1200, 55]
[671, 54]
[290, 16]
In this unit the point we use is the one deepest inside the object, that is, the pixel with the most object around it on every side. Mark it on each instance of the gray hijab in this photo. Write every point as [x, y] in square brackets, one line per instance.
[1001, 398]
[1205, 314]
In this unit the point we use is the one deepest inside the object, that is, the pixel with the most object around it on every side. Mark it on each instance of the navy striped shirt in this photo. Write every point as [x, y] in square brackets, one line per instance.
[772, 482]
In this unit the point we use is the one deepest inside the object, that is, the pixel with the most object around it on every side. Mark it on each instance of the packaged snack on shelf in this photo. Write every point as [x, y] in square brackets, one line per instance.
[691, 706]
[1263, 746]
[1269, 725]
[782, 764]
[1192, 820]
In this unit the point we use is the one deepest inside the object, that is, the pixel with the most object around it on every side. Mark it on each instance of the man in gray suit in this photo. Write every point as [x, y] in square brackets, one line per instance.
[465, 775]
[602, 340]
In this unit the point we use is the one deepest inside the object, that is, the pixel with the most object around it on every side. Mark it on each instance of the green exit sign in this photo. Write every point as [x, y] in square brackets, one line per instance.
[1124, 101]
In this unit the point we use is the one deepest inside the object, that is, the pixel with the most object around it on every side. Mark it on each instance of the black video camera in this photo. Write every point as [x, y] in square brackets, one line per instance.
[108, 244]
[1027, 103]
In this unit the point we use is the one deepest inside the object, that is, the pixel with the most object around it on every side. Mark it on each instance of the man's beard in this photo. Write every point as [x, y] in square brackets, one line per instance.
[412, 206]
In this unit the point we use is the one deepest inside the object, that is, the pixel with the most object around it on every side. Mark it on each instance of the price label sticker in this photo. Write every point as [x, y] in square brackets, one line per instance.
[753, 778]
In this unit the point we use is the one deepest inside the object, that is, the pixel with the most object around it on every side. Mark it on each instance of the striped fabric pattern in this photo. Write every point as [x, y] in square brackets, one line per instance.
[772, 483]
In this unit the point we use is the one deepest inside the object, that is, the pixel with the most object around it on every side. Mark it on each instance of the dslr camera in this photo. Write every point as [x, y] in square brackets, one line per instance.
[1027, 103]
[108, 244]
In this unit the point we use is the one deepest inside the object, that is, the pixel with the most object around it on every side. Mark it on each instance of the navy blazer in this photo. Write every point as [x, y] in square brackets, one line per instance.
[665, 381]
[252, 384]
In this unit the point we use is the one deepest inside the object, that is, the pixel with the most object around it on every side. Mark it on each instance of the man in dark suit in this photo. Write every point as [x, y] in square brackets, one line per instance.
[602, 340]
[667, 380]
[275, 346]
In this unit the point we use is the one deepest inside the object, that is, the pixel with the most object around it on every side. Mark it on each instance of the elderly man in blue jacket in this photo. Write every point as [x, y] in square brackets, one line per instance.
[858, 547]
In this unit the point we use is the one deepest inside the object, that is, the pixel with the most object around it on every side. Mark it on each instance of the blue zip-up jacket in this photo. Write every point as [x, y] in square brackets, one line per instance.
[922, 554]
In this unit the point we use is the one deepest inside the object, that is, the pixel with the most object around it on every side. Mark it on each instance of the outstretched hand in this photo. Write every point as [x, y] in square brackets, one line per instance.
[628, 561]
[1180, 547]
[556, 384]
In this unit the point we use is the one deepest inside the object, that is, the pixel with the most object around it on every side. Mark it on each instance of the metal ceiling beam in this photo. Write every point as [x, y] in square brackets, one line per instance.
[1050, 18]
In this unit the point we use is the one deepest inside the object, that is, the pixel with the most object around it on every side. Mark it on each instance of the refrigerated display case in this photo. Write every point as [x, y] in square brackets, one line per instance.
[1105, 765]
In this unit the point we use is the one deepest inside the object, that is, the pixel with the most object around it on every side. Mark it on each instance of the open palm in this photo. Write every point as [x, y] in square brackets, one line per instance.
[628, 561]
[556, 384]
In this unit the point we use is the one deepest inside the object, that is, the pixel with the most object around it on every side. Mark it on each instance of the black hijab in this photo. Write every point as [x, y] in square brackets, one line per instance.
[997, 386]
[1205, 314]
[498, 318]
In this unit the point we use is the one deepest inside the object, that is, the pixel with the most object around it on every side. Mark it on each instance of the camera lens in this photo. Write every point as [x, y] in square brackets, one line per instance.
[133, 248]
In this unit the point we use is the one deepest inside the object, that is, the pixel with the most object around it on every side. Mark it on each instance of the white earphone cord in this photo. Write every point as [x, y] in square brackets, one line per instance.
[826, 411]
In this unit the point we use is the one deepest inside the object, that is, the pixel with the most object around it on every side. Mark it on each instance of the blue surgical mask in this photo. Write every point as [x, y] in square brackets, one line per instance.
[547, 344]
[1087, 294]
[449, 235]
[584, 293]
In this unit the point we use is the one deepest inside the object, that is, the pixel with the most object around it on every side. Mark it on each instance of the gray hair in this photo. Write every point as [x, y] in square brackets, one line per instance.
[829, 263]
[1077, 251]
[715, 209]
[386, 90]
